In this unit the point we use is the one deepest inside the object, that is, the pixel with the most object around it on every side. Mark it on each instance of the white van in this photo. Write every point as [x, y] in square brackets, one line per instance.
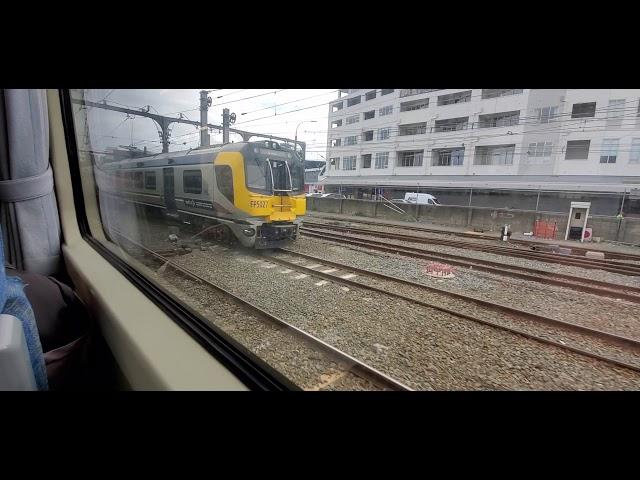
[421, 198]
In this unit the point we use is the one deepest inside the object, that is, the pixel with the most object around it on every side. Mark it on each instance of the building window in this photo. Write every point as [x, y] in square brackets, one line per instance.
[351, 140]
[334, 163]
[460, 97]
[412, 91]
[634, 156]
[499, 92]
[367, 136]
[335, 142]
[414, 105]
[583, 110]
[192, 181]
[451, 124]
[447, 157]
[353, 101]
[388, 110]
[382, 160]
[366, 160]
[503, 119]
[349, 163]
[353, 119]
[150, 180]
[494, 155]
[383, 133]
[370, 95]
[545, 114]
[336, 106]
[540, 149]
[336, 123]
[615, 113]
[609, 152]
[411, 158]
[369, 115]
[577, 150]
[413, 129]
[386, 91]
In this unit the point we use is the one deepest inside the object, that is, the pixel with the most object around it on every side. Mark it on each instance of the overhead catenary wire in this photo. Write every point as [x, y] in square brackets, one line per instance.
[582, 123]
[552, 118]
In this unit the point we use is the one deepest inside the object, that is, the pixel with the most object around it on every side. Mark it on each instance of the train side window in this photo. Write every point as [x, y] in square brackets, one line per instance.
[137, 179]
[150, 180]
[224, 180]
[192, 181]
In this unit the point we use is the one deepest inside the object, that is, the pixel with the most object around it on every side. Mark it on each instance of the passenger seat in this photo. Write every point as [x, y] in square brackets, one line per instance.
[76, 357]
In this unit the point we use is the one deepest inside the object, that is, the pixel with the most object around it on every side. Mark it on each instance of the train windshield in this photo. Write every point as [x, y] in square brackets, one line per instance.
[268, 175]
[297, 176]
[258, 175]
[281, 175]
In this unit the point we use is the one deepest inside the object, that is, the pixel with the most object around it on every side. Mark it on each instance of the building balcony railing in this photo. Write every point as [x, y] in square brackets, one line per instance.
[451, 127]
[414, 91]
[474, 125]
[418, 130]
[499, 92]
[497, 122]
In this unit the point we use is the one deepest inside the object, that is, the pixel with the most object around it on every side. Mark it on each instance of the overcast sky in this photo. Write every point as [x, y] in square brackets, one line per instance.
[265, 113]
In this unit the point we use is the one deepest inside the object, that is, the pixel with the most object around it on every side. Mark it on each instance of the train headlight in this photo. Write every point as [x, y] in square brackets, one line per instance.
[249, 232]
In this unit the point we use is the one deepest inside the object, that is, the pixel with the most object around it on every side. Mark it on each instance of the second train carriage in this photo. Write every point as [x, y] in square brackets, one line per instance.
[255, 190]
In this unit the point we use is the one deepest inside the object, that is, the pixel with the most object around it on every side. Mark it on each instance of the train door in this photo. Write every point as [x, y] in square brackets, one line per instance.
[169, 190]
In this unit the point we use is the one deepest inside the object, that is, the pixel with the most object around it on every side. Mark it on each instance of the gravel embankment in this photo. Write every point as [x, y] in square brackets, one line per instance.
[624, 280]
[299, 361]
[613, 315]
[422, 347]
[483, 313]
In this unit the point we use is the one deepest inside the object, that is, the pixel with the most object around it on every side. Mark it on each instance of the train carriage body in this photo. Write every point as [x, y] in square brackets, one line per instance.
[255, 189]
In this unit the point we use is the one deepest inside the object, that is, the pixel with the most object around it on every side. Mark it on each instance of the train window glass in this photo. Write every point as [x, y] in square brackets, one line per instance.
[192, 181]
[137, 180]
[297, 176]
[224, 181]
[434, 308]
[258, 174]
[150, 180]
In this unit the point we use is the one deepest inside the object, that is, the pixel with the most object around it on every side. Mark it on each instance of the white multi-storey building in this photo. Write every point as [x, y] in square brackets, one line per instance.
[527, 138]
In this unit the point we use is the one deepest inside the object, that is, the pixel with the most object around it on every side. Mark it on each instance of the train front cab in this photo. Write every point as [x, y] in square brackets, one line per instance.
[270, 217]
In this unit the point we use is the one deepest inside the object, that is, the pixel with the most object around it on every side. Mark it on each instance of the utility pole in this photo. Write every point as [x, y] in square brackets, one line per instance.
[227, 120]
[225, 126]
[205, 103]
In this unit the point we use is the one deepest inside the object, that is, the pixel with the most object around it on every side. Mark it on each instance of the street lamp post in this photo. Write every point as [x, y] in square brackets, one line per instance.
[295, 143]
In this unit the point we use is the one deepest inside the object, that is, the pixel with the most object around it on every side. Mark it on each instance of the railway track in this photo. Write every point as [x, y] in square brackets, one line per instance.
[345, 274]
[596, 287]
[352, 364]
[571, 260]
[578, 251]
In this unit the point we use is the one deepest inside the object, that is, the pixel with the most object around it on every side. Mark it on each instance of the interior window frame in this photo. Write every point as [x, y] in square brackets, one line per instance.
[252, 371]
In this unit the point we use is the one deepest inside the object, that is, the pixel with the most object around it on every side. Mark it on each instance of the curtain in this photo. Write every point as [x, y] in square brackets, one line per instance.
[31, 228]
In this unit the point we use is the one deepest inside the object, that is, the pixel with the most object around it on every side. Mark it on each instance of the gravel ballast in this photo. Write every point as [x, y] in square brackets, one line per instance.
[420, 347]
[584, 273]
[612, 315]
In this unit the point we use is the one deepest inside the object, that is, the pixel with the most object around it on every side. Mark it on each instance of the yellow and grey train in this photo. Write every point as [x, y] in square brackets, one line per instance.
[253, 190]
